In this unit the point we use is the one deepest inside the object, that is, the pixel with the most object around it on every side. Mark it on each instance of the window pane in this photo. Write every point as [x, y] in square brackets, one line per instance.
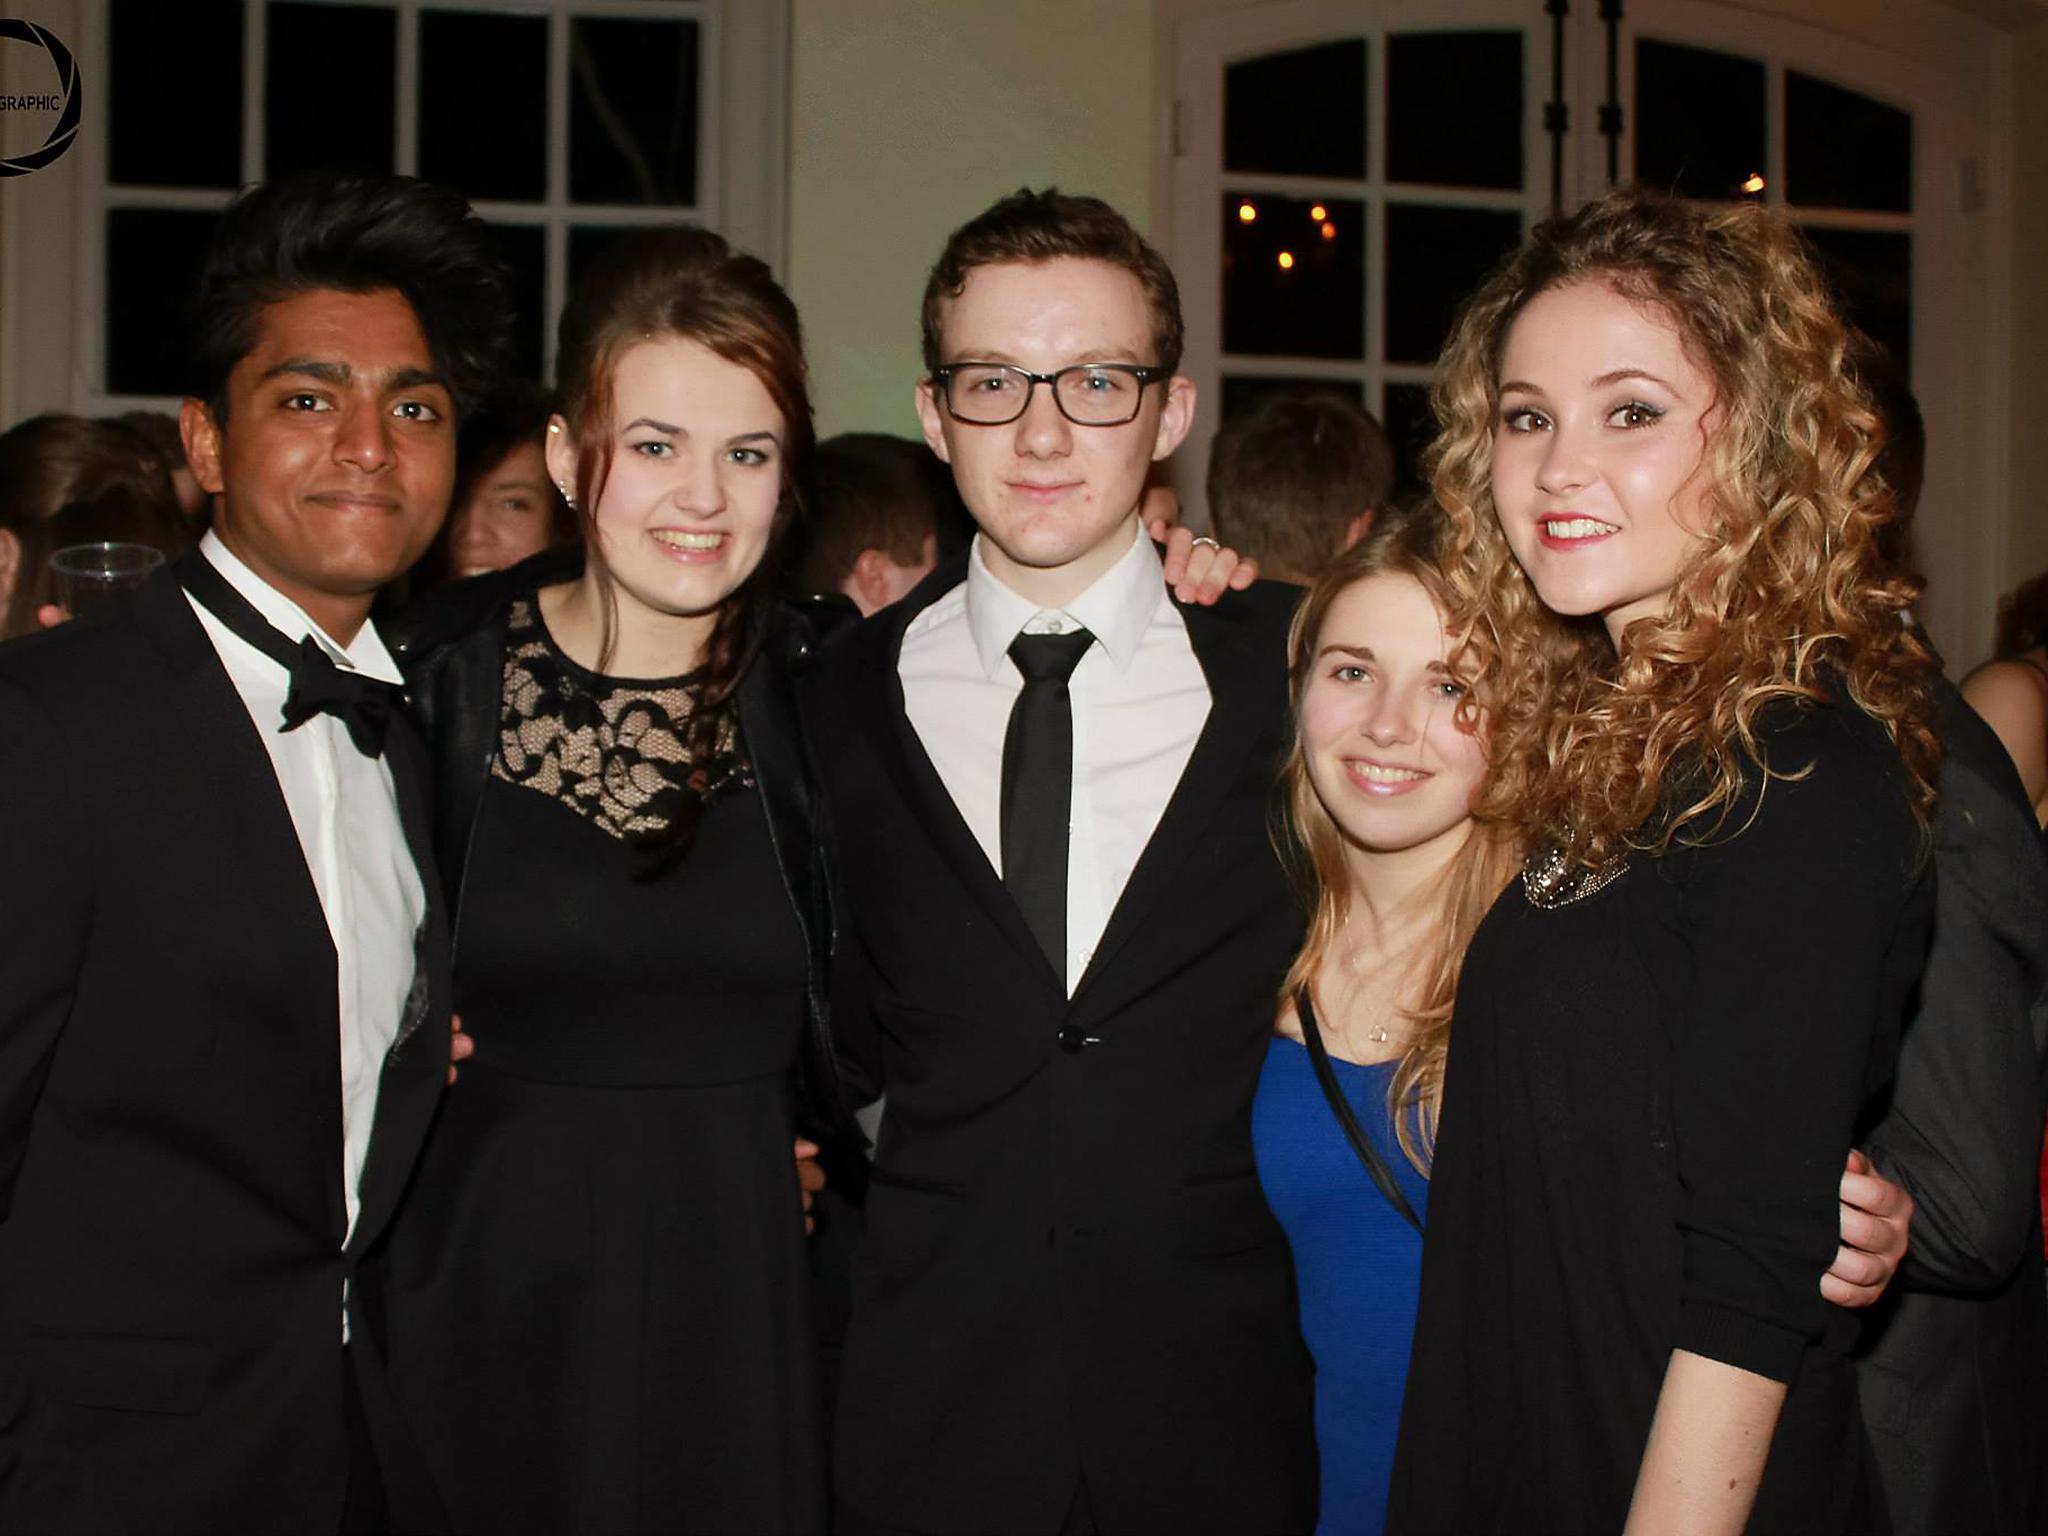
[1843, 150]
[1454, 108]
[174, 93]
[1435, 258]
[633, 112]
[1240, 390]
[523, 249]
[153, 258]
[1411, 425]
[587, 241]
[1699, 120]
[316, 114]
[483, 107]
[1297, 114]
[1293, 276]
[1873, 279]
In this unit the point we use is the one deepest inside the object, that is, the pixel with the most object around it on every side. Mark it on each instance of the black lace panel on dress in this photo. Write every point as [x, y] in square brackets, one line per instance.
[611, 751]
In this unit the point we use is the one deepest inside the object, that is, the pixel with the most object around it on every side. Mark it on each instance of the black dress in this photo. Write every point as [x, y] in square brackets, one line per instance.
[1651, 1089]
[597, 1298]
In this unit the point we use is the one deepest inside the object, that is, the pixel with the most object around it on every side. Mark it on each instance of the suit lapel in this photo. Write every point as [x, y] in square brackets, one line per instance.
[414, 1068]
[917, 779]
[262, 843]
[1247, 677]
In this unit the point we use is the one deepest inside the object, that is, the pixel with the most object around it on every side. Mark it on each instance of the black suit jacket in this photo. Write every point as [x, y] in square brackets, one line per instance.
[1953, 1368]
[1069, 1269]
[171, 1203]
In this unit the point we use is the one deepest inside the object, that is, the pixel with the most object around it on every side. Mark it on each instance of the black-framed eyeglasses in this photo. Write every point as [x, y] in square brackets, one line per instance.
[1088, 394]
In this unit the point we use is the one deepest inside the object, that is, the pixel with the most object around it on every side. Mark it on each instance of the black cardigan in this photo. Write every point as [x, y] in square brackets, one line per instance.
[451, 645]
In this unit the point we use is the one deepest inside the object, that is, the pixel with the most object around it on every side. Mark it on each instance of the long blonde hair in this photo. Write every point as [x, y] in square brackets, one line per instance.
[1790, 598]
[1399, 544]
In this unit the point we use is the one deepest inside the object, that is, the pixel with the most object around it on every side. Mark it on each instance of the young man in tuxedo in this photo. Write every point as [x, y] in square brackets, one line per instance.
[1072, 1311]
[223, 981]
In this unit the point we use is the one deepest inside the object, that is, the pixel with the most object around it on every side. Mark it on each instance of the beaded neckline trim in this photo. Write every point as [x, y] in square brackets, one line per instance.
[1548, 882]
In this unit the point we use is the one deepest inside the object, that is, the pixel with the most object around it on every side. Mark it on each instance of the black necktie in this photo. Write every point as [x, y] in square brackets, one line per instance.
[318, 686]
[1038, 785]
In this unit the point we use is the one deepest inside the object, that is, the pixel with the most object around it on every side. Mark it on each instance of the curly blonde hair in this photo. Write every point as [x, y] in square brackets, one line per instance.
[1602, 753]
[1401, 544]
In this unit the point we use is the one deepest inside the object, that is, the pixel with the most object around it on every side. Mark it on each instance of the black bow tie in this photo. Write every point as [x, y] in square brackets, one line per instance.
[318, 686]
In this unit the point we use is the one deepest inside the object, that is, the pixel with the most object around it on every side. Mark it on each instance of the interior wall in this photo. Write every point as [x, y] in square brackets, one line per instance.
[909, 116]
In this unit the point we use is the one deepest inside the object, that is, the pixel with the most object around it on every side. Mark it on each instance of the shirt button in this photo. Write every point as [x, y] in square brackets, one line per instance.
[1055, 627]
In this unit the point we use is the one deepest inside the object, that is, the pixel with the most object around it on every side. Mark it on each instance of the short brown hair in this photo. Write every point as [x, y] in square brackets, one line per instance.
[1289, 473]
[871, 491]
[1030, 226]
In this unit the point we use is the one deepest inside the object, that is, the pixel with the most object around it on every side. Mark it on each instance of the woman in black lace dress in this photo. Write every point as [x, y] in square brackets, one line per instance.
[595, 1293]
[1670, 1030]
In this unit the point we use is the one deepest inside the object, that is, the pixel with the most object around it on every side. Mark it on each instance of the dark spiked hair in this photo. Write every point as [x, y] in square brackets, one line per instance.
[353, 234]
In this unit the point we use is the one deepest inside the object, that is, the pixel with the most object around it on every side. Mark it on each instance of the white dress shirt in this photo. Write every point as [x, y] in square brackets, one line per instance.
[345, 811]
[1139, 701]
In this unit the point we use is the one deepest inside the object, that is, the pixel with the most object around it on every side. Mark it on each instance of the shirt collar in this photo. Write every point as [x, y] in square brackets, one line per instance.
[1116, 608]
[365, 654]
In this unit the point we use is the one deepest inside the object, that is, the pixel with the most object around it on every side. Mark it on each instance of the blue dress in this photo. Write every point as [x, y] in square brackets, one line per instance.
[1357, 1263]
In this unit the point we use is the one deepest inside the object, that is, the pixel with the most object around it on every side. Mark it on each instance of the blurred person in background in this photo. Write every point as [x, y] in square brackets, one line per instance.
[2011, 691]
[1952, 1366]
[55, 461]
[161, 432]
[1295, 478]
[878, 507]
[505, 509]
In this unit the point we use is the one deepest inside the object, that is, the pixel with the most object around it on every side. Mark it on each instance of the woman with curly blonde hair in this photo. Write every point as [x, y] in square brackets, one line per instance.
[1711, 718]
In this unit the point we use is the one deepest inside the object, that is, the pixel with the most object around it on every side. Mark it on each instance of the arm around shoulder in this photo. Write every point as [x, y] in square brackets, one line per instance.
[1964, 1121]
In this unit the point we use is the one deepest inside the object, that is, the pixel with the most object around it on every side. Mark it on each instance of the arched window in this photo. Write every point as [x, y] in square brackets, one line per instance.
[1432, 135]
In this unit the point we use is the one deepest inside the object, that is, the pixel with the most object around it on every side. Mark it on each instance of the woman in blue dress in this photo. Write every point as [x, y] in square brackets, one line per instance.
[1378, 788]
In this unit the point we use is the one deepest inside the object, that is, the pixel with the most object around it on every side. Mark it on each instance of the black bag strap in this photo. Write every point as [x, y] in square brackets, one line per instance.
[1368, 1154]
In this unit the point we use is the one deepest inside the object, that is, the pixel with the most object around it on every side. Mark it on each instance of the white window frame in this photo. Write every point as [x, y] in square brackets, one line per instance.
[1204, 48]
[52, 223]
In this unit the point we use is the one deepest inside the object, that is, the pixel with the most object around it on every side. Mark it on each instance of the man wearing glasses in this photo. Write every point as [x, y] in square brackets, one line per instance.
[1066, 928]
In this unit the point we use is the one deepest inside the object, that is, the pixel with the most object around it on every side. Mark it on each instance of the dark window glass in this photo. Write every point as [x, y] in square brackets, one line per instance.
[523, 249]
[153, 257]
[1872, 275]
[329, 91]
[1297, 114]
[483, 107]
[1843, 150]
[1454, 108]
[1410, 425]
[174, 93]
[1435, 258]
[587, 241]
[1293, 281]
[1699, 120]
[633, 111]
[1240, 390]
